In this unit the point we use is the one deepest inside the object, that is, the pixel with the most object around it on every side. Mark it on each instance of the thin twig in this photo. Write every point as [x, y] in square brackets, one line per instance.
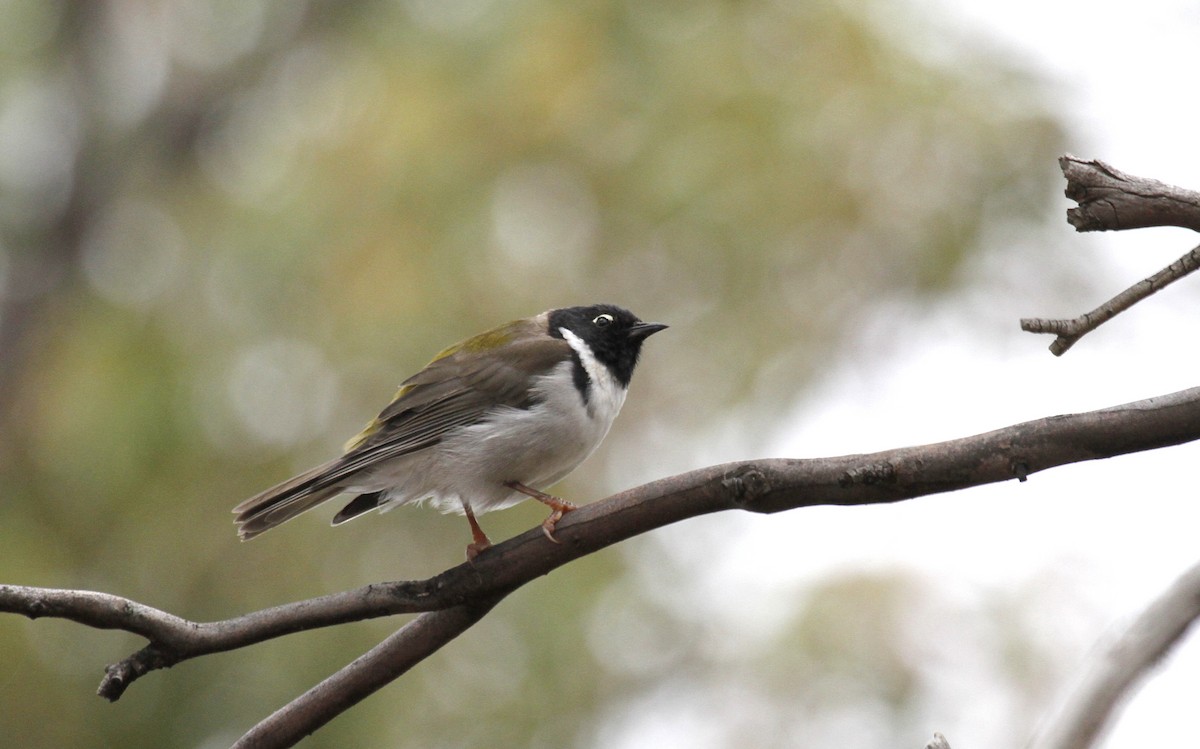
[1070, 331]
[1123, 664]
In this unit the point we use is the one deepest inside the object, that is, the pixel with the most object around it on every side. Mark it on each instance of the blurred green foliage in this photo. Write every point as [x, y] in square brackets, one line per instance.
[228, 229]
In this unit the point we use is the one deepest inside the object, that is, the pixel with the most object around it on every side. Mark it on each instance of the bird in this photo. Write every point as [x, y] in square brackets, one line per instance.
[489, 422]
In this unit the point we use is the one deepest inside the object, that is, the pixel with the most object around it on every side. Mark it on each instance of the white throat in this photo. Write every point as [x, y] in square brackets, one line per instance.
[606, 395]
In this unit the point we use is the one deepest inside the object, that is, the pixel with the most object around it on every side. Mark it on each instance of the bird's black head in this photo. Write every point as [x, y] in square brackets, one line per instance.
[614, 335]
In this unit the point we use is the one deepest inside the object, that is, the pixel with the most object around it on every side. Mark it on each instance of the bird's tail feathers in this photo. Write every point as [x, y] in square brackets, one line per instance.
[282, 502]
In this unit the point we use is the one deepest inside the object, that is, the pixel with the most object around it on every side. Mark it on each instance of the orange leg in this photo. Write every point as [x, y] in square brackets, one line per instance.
[558, 507]
[481, 541]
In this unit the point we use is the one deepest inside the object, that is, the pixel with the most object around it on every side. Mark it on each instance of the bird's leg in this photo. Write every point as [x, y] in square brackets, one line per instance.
[481, 541]
[558, 507]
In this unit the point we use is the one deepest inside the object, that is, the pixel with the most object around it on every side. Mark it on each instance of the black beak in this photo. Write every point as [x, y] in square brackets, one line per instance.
[643, 330]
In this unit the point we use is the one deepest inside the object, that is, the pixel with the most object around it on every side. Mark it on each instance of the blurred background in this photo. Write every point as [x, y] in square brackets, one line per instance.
[228, 230]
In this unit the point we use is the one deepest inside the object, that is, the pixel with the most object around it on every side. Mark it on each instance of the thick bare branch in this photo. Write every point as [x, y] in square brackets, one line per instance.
[1111, 200]
[759, 486]
[1123, 664]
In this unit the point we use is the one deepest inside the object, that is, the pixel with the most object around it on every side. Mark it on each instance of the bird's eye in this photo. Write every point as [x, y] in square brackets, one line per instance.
[602, 321]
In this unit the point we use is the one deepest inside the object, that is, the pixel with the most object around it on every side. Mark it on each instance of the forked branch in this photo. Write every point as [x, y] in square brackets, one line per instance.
[460, 596]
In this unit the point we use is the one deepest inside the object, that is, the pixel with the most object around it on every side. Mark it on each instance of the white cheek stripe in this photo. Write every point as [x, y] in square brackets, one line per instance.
[595, 369]
[603, 384]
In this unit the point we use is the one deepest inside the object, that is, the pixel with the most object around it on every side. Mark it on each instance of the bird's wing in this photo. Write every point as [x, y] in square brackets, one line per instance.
[459, 387]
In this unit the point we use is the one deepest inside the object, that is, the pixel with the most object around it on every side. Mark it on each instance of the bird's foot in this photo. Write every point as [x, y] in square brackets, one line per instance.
[475, 548]
[558, 507]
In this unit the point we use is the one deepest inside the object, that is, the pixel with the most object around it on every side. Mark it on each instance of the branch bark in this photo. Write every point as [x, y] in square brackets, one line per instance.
[463, 594]
[376, 668]
[1110, 200]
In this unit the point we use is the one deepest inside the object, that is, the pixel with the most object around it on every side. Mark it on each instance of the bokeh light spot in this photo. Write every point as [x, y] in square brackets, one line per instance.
[282, 391]
[133, 254]
[543, 214]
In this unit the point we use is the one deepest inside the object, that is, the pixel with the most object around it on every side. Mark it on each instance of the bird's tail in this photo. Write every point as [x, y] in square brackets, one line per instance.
[282, 502]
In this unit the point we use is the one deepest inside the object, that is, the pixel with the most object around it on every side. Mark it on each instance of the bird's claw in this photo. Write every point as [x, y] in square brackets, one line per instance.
[549, 523]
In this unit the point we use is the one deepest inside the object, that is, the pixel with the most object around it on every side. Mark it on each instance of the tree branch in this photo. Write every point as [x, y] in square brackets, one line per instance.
[1070, 331]
[1114, 674]
[463, 594]
[376, 668]
[1112, 200]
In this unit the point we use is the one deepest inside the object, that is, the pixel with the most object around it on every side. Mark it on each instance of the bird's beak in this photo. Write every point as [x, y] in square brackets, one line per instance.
[643, 330]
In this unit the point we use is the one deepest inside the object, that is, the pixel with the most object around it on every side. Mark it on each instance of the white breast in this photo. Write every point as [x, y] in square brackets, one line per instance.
[536, 446]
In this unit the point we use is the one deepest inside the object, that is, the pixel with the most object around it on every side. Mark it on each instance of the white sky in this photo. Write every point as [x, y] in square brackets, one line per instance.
[1121, 530]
